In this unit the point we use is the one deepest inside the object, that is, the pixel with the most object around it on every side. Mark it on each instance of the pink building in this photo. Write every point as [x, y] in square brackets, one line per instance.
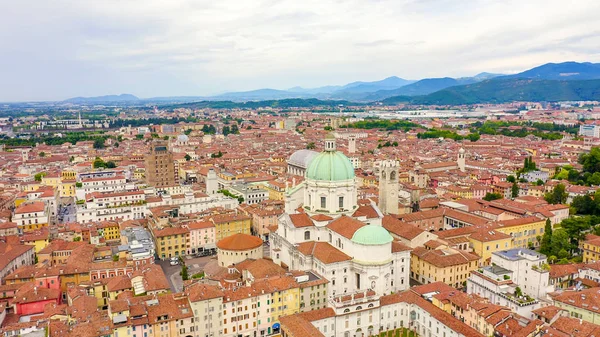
[202, 235]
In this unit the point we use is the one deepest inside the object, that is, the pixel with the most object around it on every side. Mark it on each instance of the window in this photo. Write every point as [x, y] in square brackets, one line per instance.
[323, 202]
[341, 202]
[307, 235]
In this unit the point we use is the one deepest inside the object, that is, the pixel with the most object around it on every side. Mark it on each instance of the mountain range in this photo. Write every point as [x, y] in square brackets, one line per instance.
[548, 82]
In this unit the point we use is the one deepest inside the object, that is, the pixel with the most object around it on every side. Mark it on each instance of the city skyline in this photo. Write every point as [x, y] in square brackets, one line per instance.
[66, 49]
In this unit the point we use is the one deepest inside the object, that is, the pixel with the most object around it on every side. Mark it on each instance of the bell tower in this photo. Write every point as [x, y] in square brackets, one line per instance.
[388, 186]
[460, 161]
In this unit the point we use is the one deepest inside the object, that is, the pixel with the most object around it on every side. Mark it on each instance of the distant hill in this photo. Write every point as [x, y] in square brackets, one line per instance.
[103, 99]
[258, 95]
[562, 71]
[422, 87]
[501, 90]
[284, 103]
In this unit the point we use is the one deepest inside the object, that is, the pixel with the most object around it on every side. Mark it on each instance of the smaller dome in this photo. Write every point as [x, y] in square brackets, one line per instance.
[461, 150]
[372, 235]
[182, 138]
[240, 242]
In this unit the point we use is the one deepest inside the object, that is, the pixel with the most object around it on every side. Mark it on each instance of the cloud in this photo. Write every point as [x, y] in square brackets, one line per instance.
[64, 48]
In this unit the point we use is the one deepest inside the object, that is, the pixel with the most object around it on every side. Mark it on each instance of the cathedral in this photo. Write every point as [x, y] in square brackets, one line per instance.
[327, 230]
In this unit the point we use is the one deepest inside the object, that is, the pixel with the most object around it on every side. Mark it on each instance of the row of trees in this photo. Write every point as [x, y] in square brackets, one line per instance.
[433, 133]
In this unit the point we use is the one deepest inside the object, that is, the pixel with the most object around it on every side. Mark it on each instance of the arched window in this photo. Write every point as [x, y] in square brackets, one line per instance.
[359, 308]
[330, 237]
[307, 235]
[346, 311]
[393, 176]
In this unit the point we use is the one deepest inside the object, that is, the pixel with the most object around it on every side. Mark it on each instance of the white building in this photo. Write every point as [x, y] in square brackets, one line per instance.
[194, 202]
[102, 185]
[124, 206]
[530, 270]
[334, 235]
[365, 314]
[497, 285]
[589, 130]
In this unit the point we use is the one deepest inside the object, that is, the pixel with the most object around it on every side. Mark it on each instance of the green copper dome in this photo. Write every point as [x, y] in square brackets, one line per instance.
[330, 166]
[372, 235]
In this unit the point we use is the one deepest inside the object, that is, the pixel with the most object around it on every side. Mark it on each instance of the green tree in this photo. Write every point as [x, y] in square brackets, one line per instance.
[42, 154]
[511, 179]
[116, 144]
[234, 129]
[184, 272]
[328, 128]
[492, 196]
[546, 242]
[71, 159]
[115, 258]
[226, 130]
[139, 137]
[514, 190]
[311, 146]
[39, 176]
[575, 229]
[473, 137]
[77, 239]
[187, 157]
[187, 132]
[560, 241]
[110, 164]
[98, 163]
[558, 195]
[539, 182]
[99, 143]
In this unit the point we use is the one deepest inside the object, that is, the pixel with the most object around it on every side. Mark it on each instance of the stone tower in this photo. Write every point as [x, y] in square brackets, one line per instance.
[388, 186]
[211, 182]
[351, 144]
[461, 160]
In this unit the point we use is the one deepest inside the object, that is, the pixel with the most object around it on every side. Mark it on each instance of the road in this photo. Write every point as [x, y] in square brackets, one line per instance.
[195, 265]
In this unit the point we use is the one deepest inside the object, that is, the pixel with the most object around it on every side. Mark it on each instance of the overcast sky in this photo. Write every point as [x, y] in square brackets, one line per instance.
[53, 50]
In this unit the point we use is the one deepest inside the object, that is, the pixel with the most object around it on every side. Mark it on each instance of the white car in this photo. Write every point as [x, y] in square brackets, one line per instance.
[174, 262]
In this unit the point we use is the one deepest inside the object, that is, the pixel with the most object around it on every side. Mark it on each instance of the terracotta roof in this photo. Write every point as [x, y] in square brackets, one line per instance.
[301, 220]
[240, 241]
[345, 226]
[34, 207]
[323, 252]
[442, 258]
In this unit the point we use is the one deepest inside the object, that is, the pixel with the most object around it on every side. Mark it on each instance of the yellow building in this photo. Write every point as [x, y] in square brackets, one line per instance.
[524, 231]
[446, 265]
[110, 231]
[52, 179]
[171, 241]
[38, 239]
[485, 242]
[229, 224]
[591, 248]
[68, 174]
[67, 188]
[276, 189]
[285, 302]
